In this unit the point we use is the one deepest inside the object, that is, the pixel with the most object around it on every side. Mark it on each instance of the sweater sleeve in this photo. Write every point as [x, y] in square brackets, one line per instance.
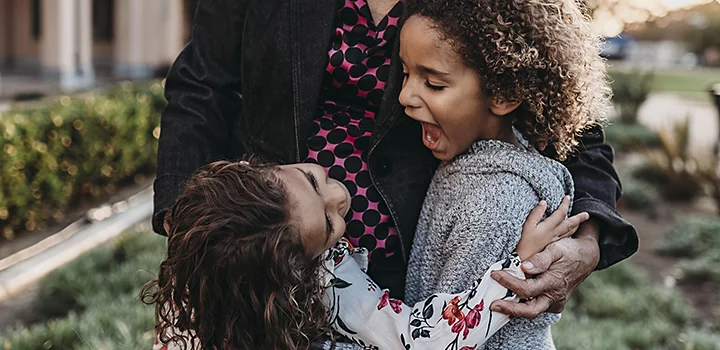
[487, 228]
[365, 313]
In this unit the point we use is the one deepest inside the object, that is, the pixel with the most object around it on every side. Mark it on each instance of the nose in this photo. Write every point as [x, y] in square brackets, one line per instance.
[337, 197]
[408, 98]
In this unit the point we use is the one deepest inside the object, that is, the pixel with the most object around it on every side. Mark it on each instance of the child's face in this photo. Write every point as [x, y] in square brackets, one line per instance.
[319, 205]
[441, 92]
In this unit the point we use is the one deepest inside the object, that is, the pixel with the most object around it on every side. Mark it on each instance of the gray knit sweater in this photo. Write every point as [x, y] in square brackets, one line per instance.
[472, 217]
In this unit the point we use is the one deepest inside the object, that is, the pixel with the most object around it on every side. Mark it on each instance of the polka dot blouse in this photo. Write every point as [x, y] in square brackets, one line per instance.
[353, 86]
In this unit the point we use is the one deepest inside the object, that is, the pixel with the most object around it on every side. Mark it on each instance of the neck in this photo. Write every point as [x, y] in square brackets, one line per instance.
[500, 128]
[380, 8]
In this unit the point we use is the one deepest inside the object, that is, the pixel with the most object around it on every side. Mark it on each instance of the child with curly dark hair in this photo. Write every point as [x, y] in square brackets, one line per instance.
[254, 262]
[492, 82]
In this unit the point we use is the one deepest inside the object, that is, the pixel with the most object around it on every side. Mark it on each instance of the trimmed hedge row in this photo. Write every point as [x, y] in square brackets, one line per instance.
[53, 155]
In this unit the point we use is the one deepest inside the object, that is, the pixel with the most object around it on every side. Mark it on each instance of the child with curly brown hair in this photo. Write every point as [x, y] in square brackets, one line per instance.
[492, 82]
[254, 262]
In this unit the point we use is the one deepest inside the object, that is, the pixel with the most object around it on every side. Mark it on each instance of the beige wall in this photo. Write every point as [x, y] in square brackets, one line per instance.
[25, 47]
[146, 34]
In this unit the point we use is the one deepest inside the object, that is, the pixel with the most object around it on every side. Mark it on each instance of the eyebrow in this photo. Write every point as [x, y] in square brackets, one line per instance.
[313, 182]
[433, 71]
[426, 70]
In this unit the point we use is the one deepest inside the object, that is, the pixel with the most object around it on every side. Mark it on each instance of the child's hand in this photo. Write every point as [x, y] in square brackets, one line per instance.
[536, 235]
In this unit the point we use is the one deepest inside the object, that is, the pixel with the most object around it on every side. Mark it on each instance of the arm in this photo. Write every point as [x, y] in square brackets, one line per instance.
[600, 242]
[363, 312]
[597, 190]
[203, 94]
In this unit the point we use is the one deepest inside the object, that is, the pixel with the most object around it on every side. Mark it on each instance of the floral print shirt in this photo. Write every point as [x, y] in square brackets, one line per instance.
[363, 312]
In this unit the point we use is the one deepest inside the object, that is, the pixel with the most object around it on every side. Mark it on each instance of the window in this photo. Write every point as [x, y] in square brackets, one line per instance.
[103, 19]
[36, 19]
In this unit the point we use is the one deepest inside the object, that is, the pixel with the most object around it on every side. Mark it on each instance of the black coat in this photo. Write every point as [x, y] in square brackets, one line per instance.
[249, 83]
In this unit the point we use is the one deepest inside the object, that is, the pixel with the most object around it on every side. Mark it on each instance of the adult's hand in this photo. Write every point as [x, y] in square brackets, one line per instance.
[557, 271]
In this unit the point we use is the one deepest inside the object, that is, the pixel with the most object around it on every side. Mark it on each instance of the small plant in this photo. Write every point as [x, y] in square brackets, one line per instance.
[629, 137]
[672, 168]
[630, 90]
[639, 195]
[696, 240]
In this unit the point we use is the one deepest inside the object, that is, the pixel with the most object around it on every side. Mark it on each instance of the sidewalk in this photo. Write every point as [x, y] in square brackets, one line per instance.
[665, 110]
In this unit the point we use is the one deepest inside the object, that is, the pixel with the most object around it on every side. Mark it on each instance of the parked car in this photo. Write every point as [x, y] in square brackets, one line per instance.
[616, 47]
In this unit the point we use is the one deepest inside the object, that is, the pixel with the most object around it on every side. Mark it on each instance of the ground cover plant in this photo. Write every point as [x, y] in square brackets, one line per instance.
[92, 303]
[696, 240]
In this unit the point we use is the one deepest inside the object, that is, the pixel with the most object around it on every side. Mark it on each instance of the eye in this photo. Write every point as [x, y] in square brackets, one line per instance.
[434, 87]
[330, 227]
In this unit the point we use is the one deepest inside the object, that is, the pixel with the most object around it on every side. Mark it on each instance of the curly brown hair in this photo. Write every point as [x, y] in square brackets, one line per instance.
[236, 273]
[542, 53]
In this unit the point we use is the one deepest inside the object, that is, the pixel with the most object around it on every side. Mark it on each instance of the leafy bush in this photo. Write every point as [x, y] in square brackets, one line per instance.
[96, 298]
[639, 195]
[630, 90]
[618, 309]
[54, 154]
[673, 168]
[695, 239]
[628, 137]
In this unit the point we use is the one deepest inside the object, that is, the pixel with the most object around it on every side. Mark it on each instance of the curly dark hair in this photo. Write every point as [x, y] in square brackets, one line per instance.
[542, 53]
[236, 273]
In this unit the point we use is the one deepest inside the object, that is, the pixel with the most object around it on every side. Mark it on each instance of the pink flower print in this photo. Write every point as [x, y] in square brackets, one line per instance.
[394, 303]
[473, 317]
[470, 321]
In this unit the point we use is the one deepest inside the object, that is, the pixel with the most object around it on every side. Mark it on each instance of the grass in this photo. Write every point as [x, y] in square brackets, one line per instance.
[618, 309]
[696, 240]
[92, 304]
[693, 84]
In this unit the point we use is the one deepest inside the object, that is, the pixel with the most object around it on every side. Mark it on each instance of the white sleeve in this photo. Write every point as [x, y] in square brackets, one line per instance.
[364, 313]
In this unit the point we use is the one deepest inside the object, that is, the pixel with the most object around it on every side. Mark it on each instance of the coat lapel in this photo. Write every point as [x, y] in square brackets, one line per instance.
[311, 31]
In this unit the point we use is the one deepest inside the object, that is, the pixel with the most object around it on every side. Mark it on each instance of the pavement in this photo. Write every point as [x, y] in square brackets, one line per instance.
[100, 225]
[665, 110]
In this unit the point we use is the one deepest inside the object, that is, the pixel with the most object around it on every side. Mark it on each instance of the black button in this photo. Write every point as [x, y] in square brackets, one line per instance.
[383, 166]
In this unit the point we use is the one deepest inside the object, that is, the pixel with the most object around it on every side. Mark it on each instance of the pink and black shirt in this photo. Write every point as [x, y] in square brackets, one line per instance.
[352, 89]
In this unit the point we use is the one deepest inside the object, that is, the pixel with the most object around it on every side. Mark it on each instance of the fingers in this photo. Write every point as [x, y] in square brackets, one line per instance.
[529, 309]
[560, 214]
[568, 227]
[540, 262]
[525, 289]
[536, 214]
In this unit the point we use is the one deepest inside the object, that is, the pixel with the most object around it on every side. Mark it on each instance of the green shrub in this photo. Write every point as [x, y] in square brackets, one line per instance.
[96, 298]
[74, 147]
[630, 90]
[696, 240]
[618, 309]
[628, 137]
[639, 195]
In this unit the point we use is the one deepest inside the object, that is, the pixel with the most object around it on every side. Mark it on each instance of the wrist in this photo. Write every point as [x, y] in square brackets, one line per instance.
[589, 230]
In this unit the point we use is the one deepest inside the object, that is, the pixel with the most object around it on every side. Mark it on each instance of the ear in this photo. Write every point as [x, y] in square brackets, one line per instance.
[501, 107]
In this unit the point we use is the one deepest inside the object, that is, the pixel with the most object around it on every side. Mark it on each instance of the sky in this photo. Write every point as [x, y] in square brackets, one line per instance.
[629, 11]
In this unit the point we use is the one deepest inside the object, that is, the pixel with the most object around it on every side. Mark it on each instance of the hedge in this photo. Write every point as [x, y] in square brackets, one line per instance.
[73, 147]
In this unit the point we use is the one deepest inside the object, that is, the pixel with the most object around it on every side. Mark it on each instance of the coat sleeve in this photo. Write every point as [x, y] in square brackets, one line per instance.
[203, 94]
[597, 190]
[363, 312]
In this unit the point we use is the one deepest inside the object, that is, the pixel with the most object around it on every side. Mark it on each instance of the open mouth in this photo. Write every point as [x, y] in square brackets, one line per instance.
[431, 135]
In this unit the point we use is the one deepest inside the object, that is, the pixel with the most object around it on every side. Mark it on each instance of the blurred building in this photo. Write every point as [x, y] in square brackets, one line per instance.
[72, 43]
